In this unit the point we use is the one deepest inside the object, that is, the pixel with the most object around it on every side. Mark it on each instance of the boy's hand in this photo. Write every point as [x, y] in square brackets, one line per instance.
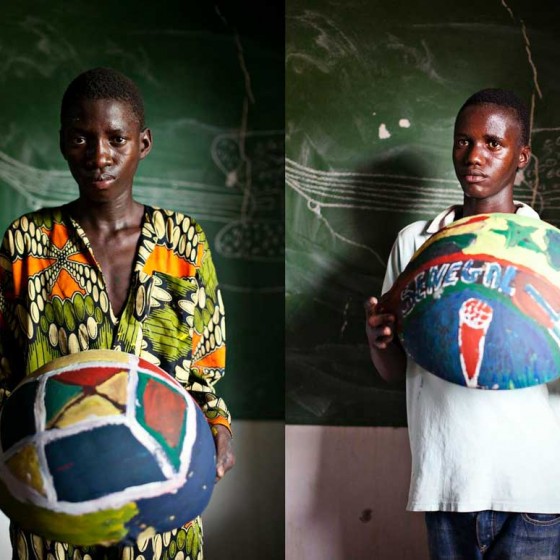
[380, 327]
[225, 459]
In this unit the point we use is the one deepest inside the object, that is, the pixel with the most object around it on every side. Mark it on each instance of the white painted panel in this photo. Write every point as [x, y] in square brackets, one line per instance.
[346, 492]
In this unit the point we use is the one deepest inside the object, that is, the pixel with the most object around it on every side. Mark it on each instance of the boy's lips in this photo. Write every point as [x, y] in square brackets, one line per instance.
[473, 176]
[101, 180]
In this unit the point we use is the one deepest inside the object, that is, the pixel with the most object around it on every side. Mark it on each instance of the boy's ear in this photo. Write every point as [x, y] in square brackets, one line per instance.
[524, 157]
[145, 142]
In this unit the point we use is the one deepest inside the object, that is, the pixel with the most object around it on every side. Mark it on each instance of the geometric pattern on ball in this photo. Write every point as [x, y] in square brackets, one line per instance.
[103, 430]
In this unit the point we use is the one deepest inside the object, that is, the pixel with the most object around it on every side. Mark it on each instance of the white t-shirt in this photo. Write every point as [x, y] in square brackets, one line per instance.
[474, 450]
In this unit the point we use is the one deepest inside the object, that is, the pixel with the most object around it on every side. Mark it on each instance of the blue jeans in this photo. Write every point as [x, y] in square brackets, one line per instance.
[493, 535]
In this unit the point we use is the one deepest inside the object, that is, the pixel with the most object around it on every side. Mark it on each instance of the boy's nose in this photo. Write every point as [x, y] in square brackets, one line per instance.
[99, 155]
[474, 156]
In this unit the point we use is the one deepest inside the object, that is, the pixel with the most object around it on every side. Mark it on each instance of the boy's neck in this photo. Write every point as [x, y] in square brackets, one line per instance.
[472, 207]
[109, 216]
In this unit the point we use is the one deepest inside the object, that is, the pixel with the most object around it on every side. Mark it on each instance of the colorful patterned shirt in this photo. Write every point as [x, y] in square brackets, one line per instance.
[53, 301]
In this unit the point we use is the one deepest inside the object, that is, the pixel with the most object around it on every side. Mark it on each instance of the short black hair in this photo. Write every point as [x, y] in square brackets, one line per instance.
[103, 83]
[503, 98]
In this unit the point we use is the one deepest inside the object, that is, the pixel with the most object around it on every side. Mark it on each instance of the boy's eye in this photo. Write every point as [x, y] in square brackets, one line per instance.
[119, 140]
[494, 144]
[461, 142]
[77, 140]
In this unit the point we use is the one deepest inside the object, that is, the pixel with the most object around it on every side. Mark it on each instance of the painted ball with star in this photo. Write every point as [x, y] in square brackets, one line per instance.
[479, 303]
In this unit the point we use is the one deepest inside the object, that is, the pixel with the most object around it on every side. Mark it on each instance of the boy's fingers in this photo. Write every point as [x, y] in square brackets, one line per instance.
[376, 321]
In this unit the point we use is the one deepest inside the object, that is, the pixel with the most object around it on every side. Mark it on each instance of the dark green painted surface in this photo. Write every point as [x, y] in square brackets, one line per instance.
[212, 78]
[372, 90]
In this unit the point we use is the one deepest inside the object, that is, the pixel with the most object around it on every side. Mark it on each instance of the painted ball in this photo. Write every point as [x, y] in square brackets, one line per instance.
[103, 447]
[479, 303]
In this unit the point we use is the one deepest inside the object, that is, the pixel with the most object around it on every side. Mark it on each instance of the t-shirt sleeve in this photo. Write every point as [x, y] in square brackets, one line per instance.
[392, 272]
[408, 240]
[395, 264]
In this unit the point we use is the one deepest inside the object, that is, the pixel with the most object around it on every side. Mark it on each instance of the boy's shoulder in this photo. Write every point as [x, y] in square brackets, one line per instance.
[178, 218]
[414, 230]
[426, 228]
[170, 223]
[40, 217]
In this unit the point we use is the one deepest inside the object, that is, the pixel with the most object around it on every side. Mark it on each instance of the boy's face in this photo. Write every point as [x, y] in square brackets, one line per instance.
[487, 151]
[102, 142]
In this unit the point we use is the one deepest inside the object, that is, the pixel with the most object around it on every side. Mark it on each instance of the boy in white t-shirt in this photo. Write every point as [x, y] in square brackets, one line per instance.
[484, 463]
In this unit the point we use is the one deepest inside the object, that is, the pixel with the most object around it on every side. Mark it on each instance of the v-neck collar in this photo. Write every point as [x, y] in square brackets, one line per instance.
[143, 248]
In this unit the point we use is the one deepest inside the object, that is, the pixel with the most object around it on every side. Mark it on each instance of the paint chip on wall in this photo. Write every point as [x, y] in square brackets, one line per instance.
[404, 123]
[383, 132]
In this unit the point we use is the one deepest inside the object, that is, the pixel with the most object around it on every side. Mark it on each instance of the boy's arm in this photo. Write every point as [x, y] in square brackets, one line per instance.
[208, 363]
[387, 354]
[11, 354]
[385, 349]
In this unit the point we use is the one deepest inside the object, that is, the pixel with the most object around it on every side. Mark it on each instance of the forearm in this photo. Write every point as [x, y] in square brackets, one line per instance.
[390, 362]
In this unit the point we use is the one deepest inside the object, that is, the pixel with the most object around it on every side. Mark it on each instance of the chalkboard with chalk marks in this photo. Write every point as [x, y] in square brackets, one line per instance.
[212, 80]
[372, 90]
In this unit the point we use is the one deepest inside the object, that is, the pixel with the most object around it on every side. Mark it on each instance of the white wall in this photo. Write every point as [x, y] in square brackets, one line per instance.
[346, 491]
[5, 548]
[245, 518]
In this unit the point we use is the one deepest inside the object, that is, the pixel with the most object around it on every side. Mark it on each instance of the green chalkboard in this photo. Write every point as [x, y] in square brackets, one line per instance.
[212, 78]
[372, 90]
